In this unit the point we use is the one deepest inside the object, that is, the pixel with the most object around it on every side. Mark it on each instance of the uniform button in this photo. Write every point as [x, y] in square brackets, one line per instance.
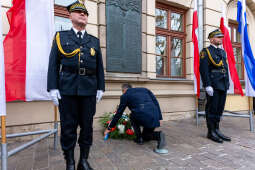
[82, 53]
[80, 46]
[81, 61]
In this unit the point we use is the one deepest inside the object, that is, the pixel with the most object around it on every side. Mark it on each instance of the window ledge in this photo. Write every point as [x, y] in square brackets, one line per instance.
[170, 79]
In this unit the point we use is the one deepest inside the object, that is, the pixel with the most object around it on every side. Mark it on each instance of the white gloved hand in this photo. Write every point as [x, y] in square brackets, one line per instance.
[209, 90]
[99, 95]
[55, 96]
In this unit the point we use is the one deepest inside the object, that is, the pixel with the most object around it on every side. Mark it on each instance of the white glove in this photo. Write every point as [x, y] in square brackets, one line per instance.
[55, 96]
[209, 90]
[99, 95]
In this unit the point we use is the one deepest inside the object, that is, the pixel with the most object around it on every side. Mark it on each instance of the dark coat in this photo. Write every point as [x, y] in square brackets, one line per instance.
[143, 105]
[212, 75]
[63, 72]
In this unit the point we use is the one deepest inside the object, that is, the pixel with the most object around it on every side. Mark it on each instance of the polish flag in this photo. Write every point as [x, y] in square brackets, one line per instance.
[2, 84]
[196, 50]
[235, 85]
[27, 47]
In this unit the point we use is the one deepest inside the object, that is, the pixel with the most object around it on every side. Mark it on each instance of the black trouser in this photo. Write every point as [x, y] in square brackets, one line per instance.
[214, 108]
[147, 134]
[74, 111]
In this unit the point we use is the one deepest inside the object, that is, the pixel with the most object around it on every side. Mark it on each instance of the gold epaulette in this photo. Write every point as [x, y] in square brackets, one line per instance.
[211, 59]
[78, 50]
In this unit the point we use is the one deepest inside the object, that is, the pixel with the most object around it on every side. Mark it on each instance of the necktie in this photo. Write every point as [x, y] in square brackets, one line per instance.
[79, 35]
[219, 51]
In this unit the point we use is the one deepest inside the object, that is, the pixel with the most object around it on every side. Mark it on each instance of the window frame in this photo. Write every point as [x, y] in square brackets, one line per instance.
[60, 11]
[170, 34]
[232, 25]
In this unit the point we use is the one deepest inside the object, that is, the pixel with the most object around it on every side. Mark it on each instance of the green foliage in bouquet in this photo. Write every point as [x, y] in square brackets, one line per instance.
[123, 129]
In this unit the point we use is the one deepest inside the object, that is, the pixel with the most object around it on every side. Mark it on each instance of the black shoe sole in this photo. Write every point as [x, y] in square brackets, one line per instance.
[227, 140]
[222, 136]
[215, 140]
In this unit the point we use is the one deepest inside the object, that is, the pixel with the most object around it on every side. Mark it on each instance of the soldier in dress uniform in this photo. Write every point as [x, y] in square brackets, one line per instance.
[76, 83]
[214, 74]
[145, 112]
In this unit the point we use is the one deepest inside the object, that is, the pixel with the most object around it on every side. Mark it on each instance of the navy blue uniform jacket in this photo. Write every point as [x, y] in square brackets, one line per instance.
[143, 105]
[70, 83]
[212, 75]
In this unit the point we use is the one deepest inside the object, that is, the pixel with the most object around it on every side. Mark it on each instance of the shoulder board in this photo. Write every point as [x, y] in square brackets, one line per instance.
[203, 53]
[92, 36]
[223, 50]
[63, 31]
[60, 32]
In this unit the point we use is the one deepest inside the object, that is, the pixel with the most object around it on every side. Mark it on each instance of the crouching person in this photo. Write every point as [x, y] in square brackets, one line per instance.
[145, 112]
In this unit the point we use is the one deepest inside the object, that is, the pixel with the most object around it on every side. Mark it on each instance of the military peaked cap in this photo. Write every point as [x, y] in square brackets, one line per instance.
[214, 34]
[77, 6]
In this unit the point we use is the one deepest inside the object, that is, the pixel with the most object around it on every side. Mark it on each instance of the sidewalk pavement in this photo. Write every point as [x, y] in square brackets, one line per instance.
[189, 149]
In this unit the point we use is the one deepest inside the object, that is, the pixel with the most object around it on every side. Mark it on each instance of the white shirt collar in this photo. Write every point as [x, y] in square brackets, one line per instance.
[220, 46]
[82, 32]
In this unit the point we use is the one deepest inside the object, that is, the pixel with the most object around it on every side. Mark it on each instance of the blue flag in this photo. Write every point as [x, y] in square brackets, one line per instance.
[248, 57]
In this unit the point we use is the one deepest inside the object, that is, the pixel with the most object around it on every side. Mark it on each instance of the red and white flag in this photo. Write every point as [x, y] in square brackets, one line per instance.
[196, 50]
[2, 84]
[235, 85]
[27, 47]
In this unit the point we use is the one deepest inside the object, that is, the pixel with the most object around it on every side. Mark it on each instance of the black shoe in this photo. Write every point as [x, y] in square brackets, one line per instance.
[84, 165]
[139, 140]
[214, 137]
[70, 167]
[83, 162]
[69, 157]
[161, 141]
[222, 136]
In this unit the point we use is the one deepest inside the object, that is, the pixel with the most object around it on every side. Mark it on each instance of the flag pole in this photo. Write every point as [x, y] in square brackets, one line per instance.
[4, 154]
[250, 101]
[55, 127]
[196, 98]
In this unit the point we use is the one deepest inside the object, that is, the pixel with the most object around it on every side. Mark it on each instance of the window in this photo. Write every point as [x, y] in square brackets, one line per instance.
[170, 42]
[62, 21]
[63, 2]
[237, 48]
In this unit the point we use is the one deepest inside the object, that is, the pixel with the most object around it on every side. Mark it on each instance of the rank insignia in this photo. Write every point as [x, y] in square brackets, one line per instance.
[202, 54]
[92, 51]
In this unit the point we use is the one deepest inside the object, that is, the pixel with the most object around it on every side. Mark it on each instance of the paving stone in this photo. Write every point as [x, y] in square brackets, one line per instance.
[189, 149]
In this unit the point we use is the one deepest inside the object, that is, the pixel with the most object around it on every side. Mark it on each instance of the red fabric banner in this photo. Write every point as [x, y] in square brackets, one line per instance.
[227, 45]
[15, 52]
[196, 53]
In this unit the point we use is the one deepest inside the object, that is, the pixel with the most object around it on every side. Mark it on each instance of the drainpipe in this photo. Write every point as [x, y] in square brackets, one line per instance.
[200, 25]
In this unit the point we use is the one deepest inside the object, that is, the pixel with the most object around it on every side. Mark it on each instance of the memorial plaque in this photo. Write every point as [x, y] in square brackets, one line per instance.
[124, 36]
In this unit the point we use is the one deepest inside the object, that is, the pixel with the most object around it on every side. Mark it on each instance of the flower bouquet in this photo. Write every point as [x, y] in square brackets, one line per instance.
[123, 129]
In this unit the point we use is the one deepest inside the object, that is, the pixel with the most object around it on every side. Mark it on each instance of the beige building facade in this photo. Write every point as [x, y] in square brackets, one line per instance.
[173, 87]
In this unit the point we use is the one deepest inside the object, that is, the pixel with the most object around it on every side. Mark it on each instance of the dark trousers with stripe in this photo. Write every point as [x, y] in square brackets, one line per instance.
[214, 108]
[76, 111]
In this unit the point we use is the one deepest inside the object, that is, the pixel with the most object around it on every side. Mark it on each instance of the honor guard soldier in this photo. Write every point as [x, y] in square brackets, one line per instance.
[214, 74]
[145, 112]
[76, 83]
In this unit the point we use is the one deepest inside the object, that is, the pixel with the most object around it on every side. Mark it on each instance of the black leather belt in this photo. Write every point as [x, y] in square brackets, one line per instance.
[218, 71]
[80, 71]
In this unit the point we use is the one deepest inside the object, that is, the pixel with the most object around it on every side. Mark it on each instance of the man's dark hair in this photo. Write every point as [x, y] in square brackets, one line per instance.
[126, 86]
